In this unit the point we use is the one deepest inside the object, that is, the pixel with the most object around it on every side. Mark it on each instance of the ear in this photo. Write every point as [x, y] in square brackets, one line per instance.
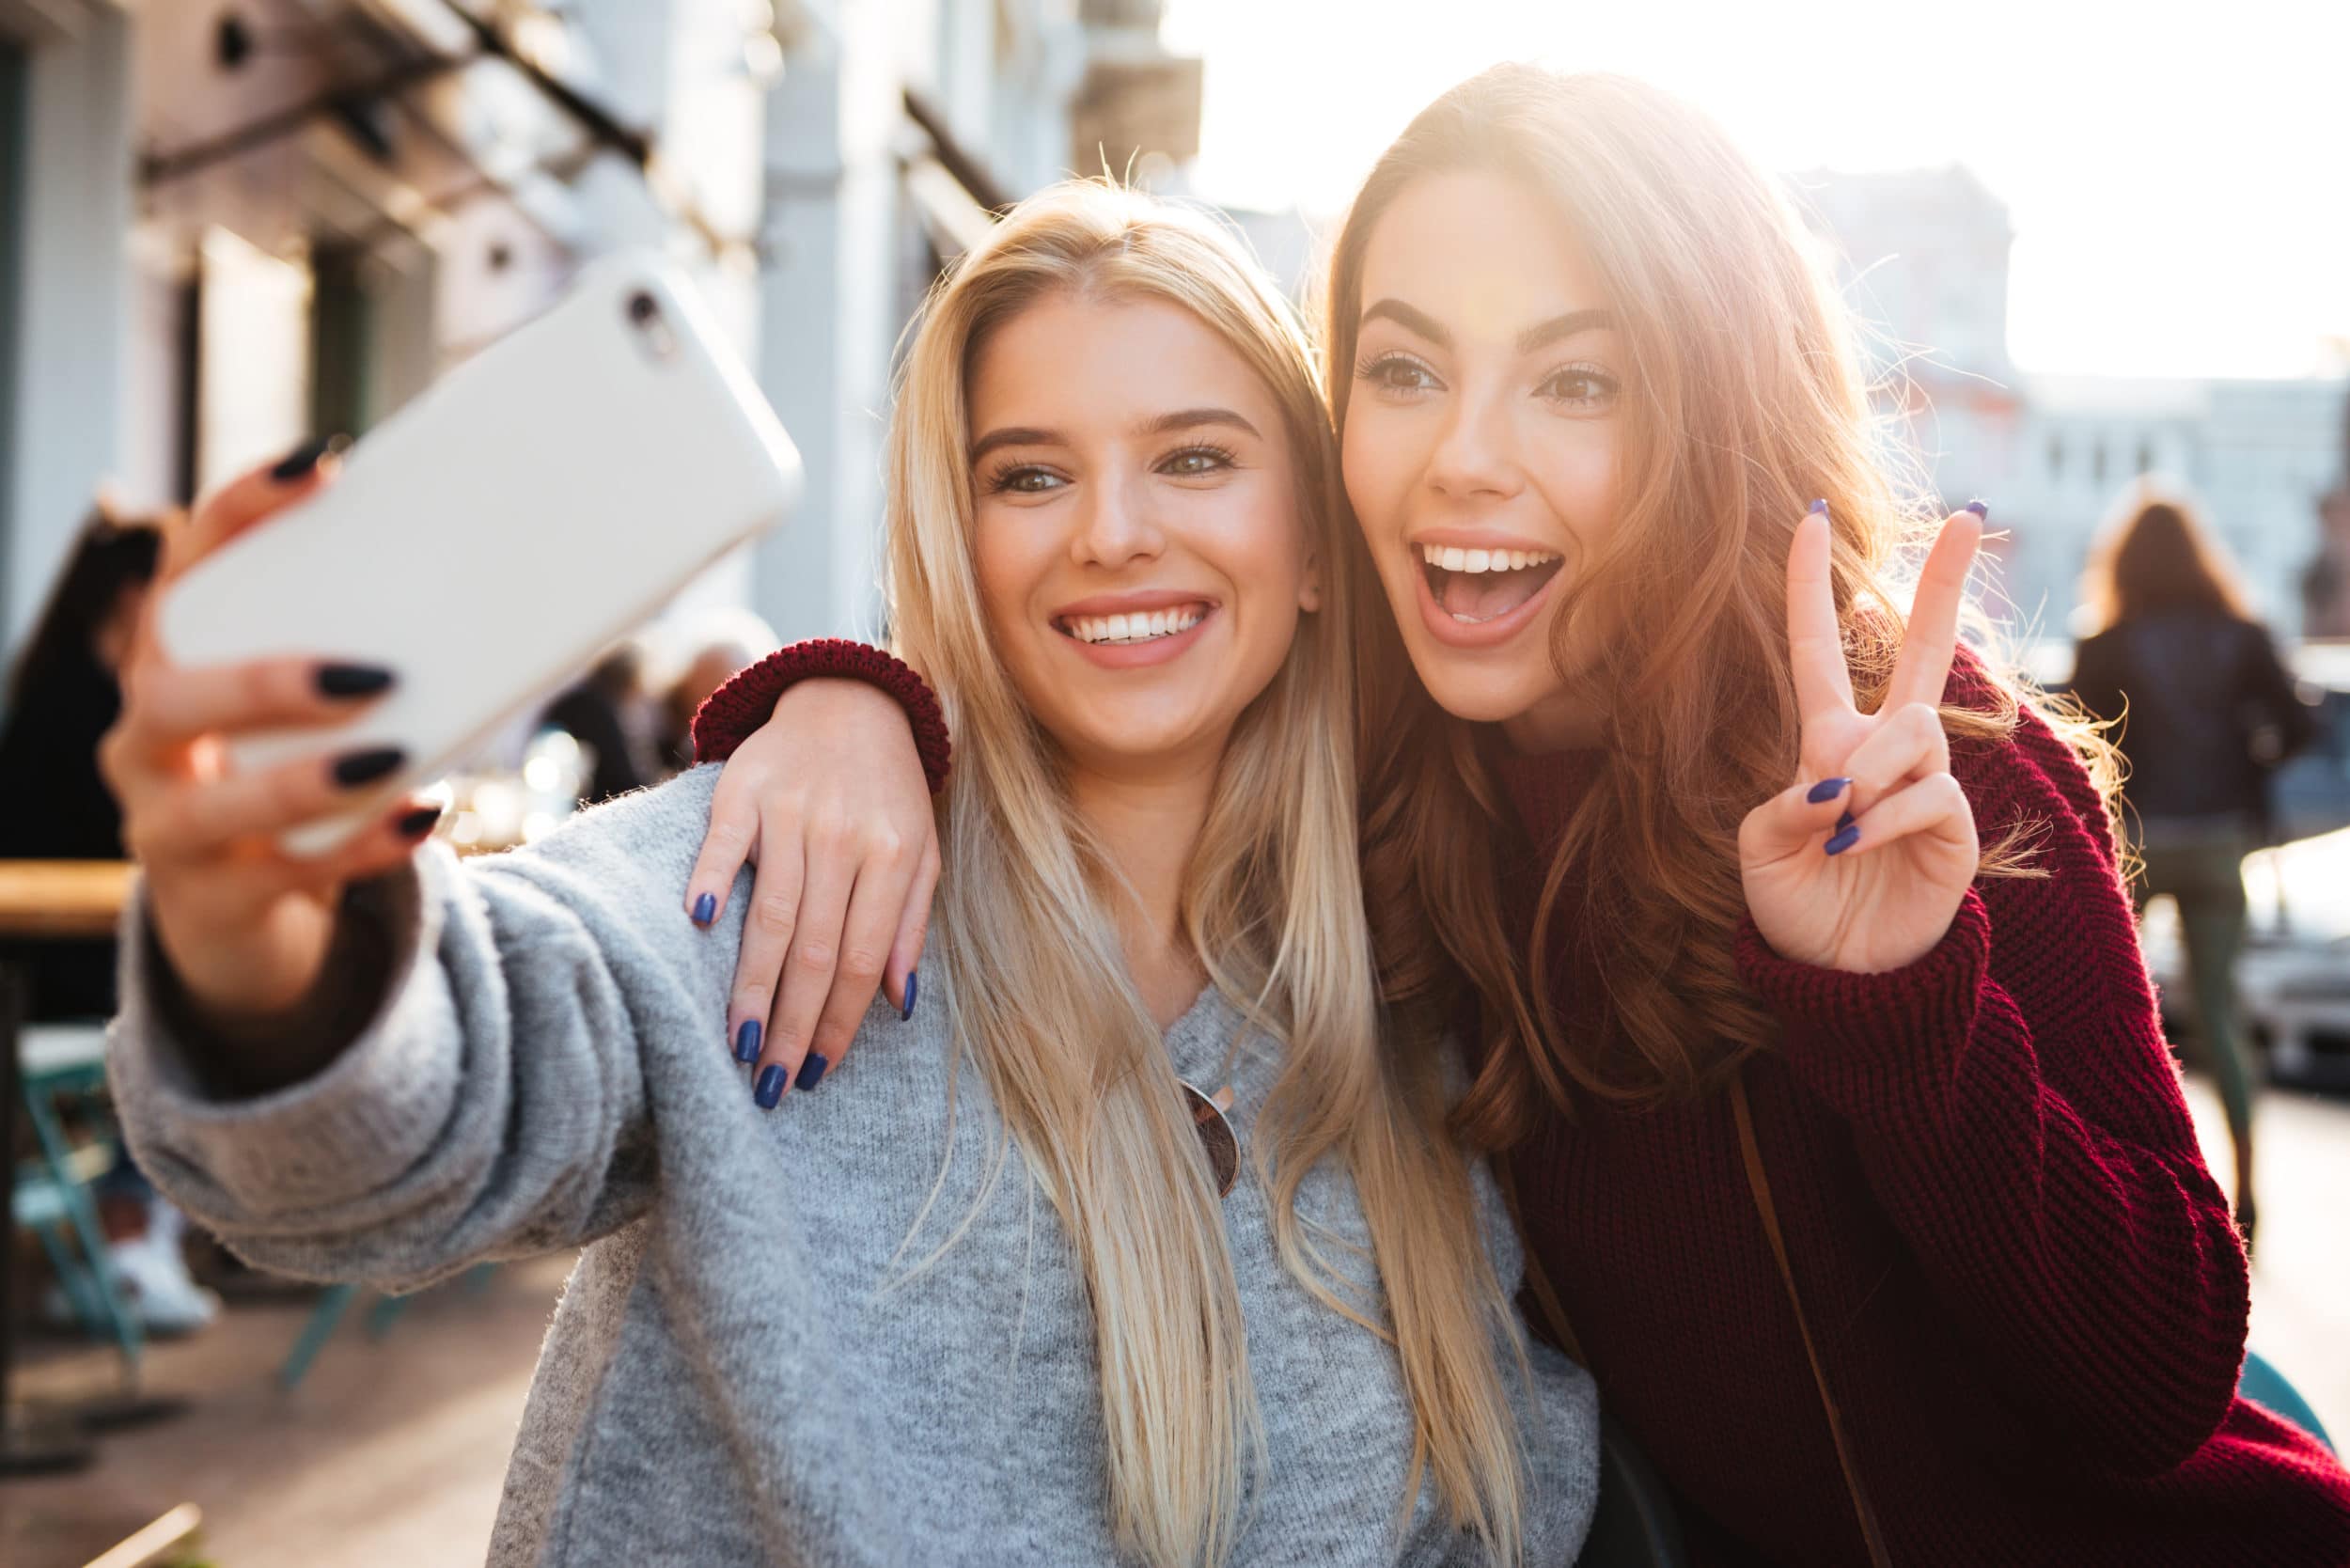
[1310, 585]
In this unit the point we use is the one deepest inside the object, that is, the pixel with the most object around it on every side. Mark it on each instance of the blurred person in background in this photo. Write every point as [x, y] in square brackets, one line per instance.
[2204, 713]
[64, 694]
[603, 713]
[720, 645]
[62, 697]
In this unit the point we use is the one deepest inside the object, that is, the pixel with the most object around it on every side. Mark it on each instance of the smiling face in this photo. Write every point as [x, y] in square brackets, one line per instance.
[1482, 440]
[1137, 536]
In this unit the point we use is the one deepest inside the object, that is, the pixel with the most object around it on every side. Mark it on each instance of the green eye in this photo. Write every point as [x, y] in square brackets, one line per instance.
[1195, 462]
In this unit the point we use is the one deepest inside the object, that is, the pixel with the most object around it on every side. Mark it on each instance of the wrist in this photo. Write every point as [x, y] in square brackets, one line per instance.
[736, 710]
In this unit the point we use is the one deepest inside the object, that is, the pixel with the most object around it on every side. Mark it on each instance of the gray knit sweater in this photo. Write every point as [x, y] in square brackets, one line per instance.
[748, 1366]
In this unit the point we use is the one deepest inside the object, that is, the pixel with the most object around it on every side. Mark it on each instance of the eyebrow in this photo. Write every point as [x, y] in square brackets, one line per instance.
[1180, 419]
[1540, 336]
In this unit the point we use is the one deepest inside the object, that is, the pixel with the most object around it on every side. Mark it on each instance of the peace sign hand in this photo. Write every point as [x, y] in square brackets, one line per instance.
[1860, 865]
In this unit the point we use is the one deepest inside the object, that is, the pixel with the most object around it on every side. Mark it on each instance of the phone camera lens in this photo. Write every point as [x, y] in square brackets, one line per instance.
[643, 309]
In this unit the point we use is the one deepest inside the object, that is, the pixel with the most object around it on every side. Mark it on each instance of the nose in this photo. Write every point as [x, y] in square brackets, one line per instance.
[1476, 454]
[1115, 526]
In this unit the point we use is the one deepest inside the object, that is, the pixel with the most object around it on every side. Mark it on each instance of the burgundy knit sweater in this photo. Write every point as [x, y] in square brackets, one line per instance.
[2024, 1285]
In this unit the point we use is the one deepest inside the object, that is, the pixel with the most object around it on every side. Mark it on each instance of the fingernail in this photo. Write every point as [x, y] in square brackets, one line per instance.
[913, 981]
[352, 680]
[302, 459]
[770, 1087]
[811, 1071]
[1826, 790]
[1844, 840]
[705, 909]
[366, 767]
[417, 824]
[1843, 821]
[1981, 508]
[1819, 508]
[746, 1041]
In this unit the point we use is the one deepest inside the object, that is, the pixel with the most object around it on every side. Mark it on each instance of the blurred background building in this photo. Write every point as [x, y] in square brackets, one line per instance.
[224, 227]
[1924, 258]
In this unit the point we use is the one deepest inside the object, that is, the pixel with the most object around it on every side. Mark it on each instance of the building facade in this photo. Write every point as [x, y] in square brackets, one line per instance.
[223, 227]
[1922, 257]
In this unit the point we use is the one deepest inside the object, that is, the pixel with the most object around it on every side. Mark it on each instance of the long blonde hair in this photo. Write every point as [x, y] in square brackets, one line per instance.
[1272, 907]
[1743, 404]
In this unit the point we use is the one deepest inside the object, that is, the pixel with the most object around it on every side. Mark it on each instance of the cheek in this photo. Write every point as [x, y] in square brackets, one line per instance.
[1375, 462]
[1007, 568]
[1576, 472]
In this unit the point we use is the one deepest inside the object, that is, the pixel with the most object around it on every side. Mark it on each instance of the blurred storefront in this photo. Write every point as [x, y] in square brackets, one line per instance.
[225, 226]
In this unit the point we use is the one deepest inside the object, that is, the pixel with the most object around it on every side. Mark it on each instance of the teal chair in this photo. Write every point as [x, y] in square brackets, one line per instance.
[336, 1302]
[52, 1193]
[2267, 1387]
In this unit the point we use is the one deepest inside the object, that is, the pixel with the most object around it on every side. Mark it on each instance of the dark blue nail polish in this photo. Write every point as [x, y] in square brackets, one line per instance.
[705, 909]
[1844, 840]
[770, 1087]
[1981, 508]
[348, 681]
[1819, 508]
[746, 1041]
[913, 981]
[1826, 790]
[1843, 821]
[298, 464]
[364, 767]
[811, 1071]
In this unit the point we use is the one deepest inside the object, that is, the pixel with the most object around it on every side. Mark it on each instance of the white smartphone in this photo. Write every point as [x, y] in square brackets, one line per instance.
[486, 541]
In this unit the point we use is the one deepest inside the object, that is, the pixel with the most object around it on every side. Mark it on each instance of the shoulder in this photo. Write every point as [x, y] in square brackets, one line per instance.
[2025, 776]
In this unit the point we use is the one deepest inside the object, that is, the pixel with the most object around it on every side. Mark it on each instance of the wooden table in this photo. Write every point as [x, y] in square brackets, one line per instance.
[41, 901]
[62, 900]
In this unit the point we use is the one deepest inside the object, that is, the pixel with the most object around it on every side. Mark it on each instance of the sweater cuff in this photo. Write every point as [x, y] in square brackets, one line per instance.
[735, 711]
[347, 1130]
[1877, 1045]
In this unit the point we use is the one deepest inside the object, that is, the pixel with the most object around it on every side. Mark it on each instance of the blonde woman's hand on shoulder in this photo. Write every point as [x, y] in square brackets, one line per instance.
[1862, 862]
[829, 801]
[246, 928]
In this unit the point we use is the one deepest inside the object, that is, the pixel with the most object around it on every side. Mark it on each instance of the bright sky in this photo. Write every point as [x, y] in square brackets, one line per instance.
[2178, 177]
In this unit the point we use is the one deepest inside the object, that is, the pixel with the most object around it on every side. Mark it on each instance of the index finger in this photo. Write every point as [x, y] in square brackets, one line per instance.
[251, 497]
[1815, 644]
[1931, 643]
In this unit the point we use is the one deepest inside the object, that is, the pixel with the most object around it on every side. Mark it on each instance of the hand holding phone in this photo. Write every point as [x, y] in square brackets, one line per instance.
[487, 540]
[248, 929]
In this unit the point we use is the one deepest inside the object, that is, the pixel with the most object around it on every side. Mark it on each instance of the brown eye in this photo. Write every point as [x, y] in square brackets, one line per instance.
[1578, 386]
[1397, 372]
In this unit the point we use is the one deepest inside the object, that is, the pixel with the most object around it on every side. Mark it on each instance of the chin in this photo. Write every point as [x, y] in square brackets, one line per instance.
[1464, 695]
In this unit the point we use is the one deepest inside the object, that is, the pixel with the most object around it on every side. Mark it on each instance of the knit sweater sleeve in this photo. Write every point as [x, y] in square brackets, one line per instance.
[737, 710]
[495, 1103]
[2020, 1120]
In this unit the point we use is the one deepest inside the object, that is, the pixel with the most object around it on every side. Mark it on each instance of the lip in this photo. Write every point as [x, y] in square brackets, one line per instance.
[1484, 633]
[1140, 600]
[1138, 655]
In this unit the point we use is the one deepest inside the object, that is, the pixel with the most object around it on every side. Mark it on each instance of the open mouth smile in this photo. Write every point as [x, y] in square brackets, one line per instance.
[1475, 587]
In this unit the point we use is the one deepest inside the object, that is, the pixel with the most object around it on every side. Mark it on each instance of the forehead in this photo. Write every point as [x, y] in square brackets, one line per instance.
[1480, 252]
[1074, 362]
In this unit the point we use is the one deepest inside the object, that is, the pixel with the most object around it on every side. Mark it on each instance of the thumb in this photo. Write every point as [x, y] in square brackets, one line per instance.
[1800, 817]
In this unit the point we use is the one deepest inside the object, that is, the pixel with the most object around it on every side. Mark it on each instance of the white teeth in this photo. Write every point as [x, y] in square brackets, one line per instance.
[1453, 558]
[1141, 626]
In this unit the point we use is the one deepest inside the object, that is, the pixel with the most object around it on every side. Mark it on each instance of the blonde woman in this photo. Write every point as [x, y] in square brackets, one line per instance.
[1024, 1293]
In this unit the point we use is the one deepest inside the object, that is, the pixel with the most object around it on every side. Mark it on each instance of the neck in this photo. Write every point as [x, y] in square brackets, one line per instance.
[1560, 722]
[1149, 821]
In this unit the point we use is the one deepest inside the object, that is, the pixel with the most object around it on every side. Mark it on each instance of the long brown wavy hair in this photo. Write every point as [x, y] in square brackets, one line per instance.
[1743, 402]
[2156, 553]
